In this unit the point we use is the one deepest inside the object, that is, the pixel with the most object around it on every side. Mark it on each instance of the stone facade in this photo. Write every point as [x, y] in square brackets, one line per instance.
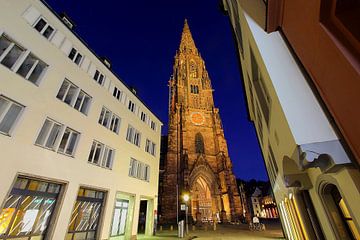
[197, 160]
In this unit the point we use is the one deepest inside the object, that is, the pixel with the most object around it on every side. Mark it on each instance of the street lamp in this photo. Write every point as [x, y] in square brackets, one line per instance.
[186, 198]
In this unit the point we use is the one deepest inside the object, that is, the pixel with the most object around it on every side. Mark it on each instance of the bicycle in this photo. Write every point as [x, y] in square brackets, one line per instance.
[256, 227]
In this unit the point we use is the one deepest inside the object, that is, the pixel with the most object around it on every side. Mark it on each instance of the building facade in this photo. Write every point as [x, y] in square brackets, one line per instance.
[79, 150]
[300, 72]
[197, 161]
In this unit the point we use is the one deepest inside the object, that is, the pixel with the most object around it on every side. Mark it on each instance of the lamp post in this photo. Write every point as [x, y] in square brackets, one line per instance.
[186, 198]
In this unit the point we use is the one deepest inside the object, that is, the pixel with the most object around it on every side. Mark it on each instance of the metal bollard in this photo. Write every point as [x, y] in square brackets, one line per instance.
[171, 227]
[161, 228]
[193, 227]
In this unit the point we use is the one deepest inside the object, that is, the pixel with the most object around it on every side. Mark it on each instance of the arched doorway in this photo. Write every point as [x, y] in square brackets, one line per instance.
[339, 212]
[201, 201]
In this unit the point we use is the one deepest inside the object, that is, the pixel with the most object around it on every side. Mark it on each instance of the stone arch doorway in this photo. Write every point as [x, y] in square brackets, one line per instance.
[201, 201]
[205, 201]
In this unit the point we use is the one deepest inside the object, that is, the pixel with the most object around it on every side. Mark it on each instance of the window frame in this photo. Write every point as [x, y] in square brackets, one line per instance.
[59, 135]
[20, 60]
[104, 157]
[75, 97]
[10, 102]
[97, 77]
[42, 31]
[76, 55]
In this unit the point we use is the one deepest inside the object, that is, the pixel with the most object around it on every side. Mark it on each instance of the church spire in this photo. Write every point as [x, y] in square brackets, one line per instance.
[187, 43]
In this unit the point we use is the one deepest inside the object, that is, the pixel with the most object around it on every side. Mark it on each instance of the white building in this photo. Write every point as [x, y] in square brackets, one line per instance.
[79, 150]
[315, 182]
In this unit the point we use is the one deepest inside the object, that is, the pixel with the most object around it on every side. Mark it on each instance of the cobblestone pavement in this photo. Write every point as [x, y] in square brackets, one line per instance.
[223, 232]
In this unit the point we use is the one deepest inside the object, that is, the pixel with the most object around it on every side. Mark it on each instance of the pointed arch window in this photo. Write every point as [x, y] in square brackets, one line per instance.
[199, 143]
[193, 70]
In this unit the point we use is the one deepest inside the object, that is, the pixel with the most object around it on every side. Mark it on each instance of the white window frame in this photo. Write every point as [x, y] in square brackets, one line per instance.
[111, 121]
[139, 170]
[44, 28]
[104, 157]
[21, 59]
[97, 79]
[133, 135]
[58, 138]
[117, 93]
[78, 91]
[150, 147]
[131, 106]
[5, 111]
[75, 56]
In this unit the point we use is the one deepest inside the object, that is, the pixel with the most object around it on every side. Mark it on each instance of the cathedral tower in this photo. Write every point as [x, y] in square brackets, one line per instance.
[197, 160]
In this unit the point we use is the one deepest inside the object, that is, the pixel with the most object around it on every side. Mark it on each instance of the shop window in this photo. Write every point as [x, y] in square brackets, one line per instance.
[119, 218]
[28, 209]
[86, 214]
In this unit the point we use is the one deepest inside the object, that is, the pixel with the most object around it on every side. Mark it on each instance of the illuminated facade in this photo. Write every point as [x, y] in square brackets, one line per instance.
[79, 150]
[197, 160]
[299, 101]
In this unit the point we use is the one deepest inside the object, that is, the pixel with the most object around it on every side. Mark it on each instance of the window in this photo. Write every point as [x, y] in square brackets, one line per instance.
[44, 28]
[260, 89]
[117, 93]
[101, 155]
[131, 106]
[143, 117]
[99, 77]
[139, 170]
[31, 68]
[109, 120]
[75, 56]
[150, 147]
[259, 120]
[86, 214]
[153, 125]
[119, 218]
[194, 89]
[193, 70]
[28, 209]
[342, 19]
[74, 96]
[273, 165]
[9, 113]
[199, 143]
[340, 214]
[133, 136]
[55, 136]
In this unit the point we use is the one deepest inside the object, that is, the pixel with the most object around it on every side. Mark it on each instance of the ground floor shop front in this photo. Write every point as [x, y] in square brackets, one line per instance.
[39, 207]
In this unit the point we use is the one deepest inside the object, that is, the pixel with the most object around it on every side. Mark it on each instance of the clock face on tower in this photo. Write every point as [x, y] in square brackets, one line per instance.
[197, 118]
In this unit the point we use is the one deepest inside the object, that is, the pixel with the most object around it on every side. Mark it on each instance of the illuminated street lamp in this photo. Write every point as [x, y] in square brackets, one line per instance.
[186, 198]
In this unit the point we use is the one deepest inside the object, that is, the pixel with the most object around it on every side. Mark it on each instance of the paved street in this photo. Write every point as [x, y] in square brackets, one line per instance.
[224, 232]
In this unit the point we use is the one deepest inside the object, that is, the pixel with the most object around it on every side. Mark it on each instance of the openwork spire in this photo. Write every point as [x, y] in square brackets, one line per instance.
[187, 43]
